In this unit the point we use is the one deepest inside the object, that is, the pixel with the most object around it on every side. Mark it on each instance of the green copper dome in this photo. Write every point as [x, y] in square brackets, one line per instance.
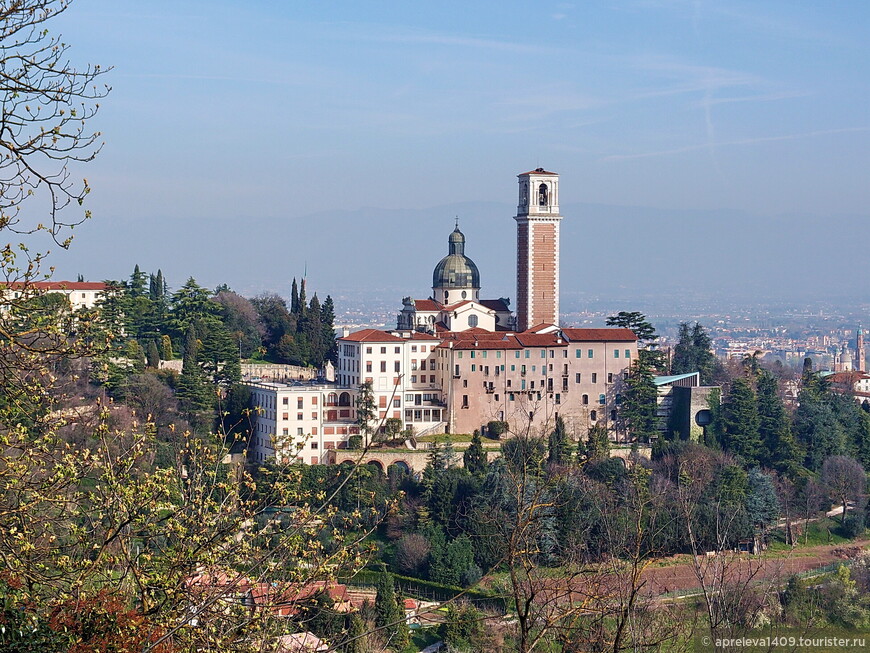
[456, 270]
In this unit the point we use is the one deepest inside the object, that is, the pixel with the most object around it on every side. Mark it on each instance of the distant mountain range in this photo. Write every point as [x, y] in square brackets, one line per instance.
[606, 250]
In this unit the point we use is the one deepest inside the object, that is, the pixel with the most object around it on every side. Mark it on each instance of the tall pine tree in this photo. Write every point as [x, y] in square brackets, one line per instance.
[740, 422]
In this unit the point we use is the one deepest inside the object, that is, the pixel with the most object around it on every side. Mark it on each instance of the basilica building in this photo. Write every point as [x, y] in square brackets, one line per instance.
[456, 363]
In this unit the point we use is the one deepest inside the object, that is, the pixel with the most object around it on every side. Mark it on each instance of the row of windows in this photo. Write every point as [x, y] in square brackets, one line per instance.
[527, 353]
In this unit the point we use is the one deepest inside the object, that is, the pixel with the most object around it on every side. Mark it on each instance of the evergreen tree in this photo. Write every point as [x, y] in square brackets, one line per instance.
[597, 443]
[152, 355]
[639, 409]
[646, 336]
[740, 422]
[762, 504]
[294, 299]
[166, 348]
[389, 615]
[218, 354]
[693, 353]
[365, 411]
[303, 300]
[190, 303]
[475, 458]
[558, 444]
[357, 642]
[327, 322]
[193, 392]
[780, 449]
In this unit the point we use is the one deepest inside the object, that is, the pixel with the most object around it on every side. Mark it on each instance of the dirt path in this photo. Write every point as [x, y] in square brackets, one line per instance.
[681, 576]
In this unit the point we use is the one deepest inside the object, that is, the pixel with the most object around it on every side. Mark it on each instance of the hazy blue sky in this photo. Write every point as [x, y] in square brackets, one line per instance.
[285, 109]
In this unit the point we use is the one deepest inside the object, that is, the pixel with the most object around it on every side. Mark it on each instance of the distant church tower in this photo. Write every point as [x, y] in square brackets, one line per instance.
[538, 249]
[860, 361]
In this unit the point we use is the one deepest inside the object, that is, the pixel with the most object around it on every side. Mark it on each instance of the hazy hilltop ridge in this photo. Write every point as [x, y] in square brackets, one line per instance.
[606, 247]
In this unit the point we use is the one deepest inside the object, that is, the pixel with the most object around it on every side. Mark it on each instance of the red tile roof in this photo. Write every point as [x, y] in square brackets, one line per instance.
[418, 335]
[600, 335]
[58, 285]
[427, 305]
[541, 340]
[456, 305]
[538, 171]
[543, 326]
[372, 335]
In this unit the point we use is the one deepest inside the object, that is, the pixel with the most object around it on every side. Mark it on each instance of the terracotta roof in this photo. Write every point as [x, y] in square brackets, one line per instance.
[847, 377]
[537, 171]
[541, 340]
[372, 335]
[452, 307]
[543, 326]
[505, 342]
[59, 285]
[600, 335]
[427, 305]
[417, 335]
[494, 304]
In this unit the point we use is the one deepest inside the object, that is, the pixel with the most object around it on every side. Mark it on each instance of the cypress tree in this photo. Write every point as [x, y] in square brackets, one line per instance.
[294, 299]
[357, 642]
[327, 322]
[166, 348]
[475, 458]
[389, 615]
[152, 356]
[302, 304]
[558, 444]
[741, 423]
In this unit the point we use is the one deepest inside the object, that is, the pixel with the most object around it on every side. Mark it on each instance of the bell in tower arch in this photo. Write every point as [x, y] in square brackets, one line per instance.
[542, 195]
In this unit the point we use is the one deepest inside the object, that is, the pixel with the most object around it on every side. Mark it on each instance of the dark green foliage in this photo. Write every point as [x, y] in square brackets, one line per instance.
[524, 454]
[762, 504]
[496, 429]
[780, 450]
[693, 353]
[152, 355]
[557, 449]
[190, 304]
[463, 629]
[194, 393]
[597, 443]
[356, 641]
[635, 321]
[236, 418]
[474, 458]
[365, 410]
[639, 407]
[304, 335]
[740, 422]
[389, 615]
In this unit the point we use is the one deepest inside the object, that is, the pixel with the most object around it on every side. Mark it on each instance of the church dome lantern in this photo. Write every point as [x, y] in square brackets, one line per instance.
[455, 272]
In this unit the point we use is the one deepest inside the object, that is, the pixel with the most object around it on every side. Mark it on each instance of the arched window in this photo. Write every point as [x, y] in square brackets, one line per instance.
[585, 400]
[331, 399]
[593, 415]
[542, 195]
[344, 399]
[602, 399]
[472, 320]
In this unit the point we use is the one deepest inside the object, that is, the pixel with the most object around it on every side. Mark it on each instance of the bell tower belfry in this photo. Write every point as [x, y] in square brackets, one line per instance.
[538, 221]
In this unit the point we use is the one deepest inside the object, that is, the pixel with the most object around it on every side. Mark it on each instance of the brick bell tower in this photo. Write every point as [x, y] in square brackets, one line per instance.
[538, 249]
